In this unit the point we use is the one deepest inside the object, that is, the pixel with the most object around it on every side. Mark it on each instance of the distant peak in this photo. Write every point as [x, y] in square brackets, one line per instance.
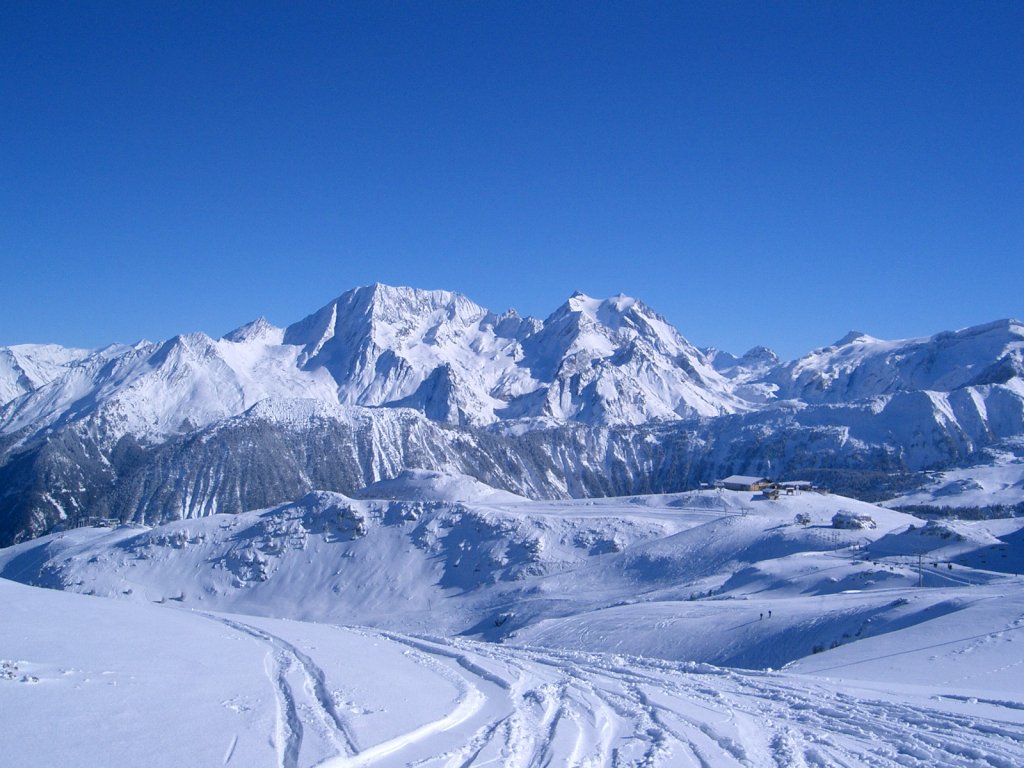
[852, 337]
[580, 301]
[760, 354]
[383, 290]
[620, 303]
[375, 292]
[258, 329]
[577, 304]
[394, 296]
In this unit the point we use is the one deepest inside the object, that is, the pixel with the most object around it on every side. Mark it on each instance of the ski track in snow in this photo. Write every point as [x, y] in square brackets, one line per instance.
[305, 712]
[523, 707]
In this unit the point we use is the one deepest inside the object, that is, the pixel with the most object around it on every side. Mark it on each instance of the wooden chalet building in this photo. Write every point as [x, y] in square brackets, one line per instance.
[743, 483]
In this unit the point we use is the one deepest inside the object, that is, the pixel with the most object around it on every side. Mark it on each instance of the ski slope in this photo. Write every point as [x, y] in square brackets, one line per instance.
[466, 628]
[273, 692]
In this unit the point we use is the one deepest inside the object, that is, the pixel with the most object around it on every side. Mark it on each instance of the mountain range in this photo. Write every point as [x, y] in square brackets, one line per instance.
[603, 397]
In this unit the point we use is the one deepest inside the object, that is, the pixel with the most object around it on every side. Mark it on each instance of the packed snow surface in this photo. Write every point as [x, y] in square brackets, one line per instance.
[465, 629]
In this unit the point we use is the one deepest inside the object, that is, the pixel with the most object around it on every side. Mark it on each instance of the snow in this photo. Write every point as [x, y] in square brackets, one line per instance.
[451, 626]
[606, 396]
[435, 351]
[25, 367]
[111, 675]
[859, 366]
[136, 684]
[609, 362]
[426, 485]
[436, 620]
[1002, 483]
[152, 390]
[382, 345]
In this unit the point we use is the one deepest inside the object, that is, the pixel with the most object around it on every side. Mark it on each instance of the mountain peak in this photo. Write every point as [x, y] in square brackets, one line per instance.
[851, 337]
[608, 312]
[759, 354]
[390, 293]
[259, 329]
[580, 302]
[402, 305]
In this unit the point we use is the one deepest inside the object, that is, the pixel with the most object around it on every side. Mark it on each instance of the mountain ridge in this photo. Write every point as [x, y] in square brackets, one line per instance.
[603, 396]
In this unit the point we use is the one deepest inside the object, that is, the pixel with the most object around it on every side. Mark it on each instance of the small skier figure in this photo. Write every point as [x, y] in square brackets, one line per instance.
[761, 616]
[769, 614]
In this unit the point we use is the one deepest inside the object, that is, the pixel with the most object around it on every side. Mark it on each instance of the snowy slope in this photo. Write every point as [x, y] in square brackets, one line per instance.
[26, 367]
[424, 485]
[152, 390]
[566, 574]
[607, 614]
[434, 350]
[249, 697]
[977, 487]
[859, 366]
[266, 692]
[85, 681]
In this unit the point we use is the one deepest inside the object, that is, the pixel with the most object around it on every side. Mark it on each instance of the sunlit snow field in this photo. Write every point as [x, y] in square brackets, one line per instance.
[450, 625]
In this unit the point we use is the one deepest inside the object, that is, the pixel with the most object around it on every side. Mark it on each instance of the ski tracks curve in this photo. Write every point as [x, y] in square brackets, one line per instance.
[527, 707]
[580, 709]
[308, 723]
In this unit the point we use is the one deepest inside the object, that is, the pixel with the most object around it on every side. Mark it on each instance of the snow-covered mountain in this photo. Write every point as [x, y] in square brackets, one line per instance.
[602, 397]
[606, 362]
[152, 390]
[616, 362]
[432, 350]
[859, 366]
[27, 367]
[491, 560]
[611, 363]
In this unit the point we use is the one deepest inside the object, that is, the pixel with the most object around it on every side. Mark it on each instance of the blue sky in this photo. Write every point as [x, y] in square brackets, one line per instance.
[759, 173]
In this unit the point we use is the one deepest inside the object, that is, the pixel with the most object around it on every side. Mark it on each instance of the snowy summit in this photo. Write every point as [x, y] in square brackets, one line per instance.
[400, 378]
